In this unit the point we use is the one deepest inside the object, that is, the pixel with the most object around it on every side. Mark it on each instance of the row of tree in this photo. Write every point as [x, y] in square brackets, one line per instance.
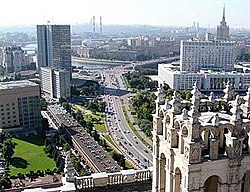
[52, 145]
[89, 88]
[137, 80]
[95, 105]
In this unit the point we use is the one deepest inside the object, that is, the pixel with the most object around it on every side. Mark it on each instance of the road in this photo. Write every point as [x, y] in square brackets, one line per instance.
[119, 129]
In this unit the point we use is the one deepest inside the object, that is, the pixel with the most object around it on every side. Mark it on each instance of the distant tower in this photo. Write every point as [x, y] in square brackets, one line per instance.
[100, 25]
[93, 24]
[223, 29]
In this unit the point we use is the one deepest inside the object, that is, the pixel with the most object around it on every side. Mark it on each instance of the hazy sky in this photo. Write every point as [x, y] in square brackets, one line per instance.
[154, 12]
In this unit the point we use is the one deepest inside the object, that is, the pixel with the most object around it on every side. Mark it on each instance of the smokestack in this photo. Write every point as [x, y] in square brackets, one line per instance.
[100, 25]
[93, 24]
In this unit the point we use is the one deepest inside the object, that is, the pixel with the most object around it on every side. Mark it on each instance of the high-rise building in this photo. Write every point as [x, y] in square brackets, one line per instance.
[223, 29]
[20, 107]
[55, 82]
[13, 59]
[214, 55]
[54, 46]
[201, 150]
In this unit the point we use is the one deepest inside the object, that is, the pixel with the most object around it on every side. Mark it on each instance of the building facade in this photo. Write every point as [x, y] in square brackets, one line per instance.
[20, 107]
[54, 46]
[206, 80]
[55, 82]
[204, 149]
[212, 55]
[14, 59]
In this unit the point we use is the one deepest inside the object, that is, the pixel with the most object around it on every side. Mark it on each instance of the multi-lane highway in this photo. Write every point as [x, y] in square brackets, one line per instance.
[118, 127]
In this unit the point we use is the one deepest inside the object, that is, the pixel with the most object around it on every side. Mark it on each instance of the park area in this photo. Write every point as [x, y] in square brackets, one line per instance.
[30, 156]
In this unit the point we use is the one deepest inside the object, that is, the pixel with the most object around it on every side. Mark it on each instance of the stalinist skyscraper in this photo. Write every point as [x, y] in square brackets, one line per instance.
[223, 29]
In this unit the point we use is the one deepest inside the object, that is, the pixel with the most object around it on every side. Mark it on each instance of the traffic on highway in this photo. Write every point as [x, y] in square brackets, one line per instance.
[117, 125]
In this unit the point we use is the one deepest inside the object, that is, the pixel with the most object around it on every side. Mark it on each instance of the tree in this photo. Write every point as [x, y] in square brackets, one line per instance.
[5, 183]
[45, 124]
[66, 147]
[8, 150]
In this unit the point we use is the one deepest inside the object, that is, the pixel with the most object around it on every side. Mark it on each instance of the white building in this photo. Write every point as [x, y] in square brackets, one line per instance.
[206, 80]
[55, 82]
[204, 150]
[215, 55]
[211, 64]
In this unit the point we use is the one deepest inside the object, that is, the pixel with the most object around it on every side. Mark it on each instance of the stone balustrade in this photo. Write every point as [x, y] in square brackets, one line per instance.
[105, 179]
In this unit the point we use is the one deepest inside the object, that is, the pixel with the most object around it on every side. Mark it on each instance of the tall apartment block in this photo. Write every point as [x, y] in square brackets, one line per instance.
[20, 107]
[13, 59]
[55, 82]
[54, 46]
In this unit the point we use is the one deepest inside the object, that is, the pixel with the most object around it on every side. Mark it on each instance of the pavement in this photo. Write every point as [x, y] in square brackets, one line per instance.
[118, 127]
[131, 118]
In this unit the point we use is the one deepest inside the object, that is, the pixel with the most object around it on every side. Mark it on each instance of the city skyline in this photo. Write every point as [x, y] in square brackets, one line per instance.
[166, 13]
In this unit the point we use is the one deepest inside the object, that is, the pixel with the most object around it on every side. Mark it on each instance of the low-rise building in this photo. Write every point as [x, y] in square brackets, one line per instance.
[20, 107]
[206, 80]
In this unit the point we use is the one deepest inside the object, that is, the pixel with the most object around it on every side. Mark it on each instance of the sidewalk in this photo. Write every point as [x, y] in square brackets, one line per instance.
[131, 118]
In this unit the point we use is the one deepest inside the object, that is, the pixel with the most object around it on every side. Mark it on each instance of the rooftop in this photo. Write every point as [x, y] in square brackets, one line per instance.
[87, 144]
[16, 84]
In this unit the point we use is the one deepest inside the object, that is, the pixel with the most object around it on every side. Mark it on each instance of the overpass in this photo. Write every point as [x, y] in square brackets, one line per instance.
[151, 63]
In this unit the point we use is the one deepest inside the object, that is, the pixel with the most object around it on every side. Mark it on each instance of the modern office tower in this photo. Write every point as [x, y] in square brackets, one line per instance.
[55, 82]
[54, 46]
[20, 107]
[223, 29]
[13, 59]
[213, 55]
[201, 150]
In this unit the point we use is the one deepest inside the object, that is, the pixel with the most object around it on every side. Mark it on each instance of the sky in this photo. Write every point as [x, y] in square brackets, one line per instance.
[153, 12]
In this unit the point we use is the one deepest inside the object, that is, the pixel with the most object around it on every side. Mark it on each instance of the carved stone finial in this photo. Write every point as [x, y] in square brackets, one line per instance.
[216, 120]
[212, 97]
[176, 103]
[228, 92]
[184, 115]
[161, 95]
[236, 110]
[246, 105]
[196, 94]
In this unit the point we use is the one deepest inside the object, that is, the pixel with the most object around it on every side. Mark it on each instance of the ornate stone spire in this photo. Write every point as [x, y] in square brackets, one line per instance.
[246, 105]
[223, 17]
[176, 103]
[236, 110]
[228, 92]
[195, 113]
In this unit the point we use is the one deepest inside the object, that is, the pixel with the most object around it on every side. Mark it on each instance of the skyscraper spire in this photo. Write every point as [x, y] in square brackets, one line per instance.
[223, 18]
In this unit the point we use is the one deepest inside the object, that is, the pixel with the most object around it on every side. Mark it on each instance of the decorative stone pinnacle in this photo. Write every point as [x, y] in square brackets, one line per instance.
[176, 103]
[212, 97]
[184, 115]
[160, 95]
[228, 92]
[216, 120]
[236, 110]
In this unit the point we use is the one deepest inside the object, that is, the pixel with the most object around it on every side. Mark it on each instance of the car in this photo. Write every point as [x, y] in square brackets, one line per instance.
[146, 151]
